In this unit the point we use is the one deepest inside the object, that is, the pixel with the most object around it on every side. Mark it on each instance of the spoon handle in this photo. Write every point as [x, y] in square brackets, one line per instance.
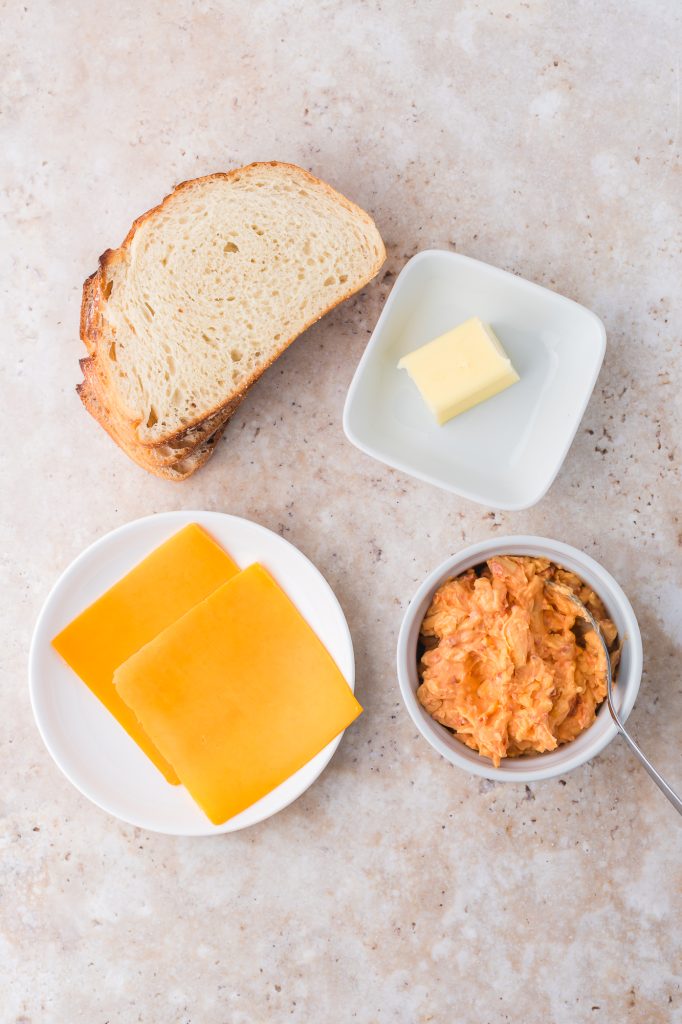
[667, 790]
[658, 779]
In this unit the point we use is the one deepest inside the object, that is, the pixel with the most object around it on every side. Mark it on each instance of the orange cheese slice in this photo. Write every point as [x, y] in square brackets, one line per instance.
[238, 694]
[174, 577]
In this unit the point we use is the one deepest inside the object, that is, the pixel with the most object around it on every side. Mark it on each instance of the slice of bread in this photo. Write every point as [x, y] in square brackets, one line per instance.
[211, 286]
[180, 469]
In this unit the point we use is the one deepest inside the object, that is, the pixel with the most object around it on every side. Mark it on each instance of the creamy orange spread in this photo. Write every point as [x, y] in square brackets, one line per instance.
[506, 663]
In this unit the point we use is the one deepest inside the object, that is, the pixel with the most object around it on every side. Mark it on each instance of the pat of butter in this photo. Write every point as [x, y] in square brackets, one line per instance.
[459, 369]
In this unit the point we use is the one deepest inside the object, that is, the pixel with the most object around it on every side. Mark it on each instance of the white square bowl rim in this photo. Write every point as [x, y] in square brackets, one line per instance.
[375, 340]
[540, 766]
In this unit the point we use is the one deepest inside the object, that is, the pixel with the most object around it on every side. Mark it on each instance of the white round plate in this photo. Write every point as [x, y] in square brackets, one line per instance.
[87, 743]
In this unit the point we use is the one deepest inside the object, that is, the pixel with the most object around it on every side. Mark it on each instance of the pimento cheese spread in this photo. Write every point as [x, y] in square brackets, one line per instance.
[505, 663]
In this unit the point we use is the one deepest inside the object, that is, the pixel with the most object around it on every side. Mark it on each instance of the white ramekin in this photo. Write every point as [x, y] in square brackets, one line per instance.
[590, 742]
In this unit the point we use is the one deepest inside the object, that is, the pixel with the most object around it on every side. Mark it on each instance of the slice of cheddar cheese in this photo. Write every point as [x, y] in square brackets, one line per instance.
[238, 694]
[174, 577]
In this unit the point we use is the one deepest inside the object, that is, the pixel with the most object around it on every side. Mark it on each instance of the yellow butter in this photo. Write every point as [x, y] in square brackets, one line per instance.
[460, 369]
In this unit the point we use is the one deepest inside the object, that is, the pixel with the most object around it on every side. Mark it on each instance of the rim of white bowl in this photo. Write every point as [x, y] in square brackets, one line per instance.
[594, 739]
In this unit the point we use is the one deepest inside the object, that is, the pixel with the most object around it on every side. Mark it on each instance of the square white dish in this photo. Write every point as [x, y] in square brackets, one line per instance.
[506, 452]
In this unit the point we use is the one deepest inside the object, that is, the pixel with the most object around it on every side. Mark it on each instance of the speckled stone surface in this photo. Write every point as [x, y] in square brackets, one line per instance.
[541, 137]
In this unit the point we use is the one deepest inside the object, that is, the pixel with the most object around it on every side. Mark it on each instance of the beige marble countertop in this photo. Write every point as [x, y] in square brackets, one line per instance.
[538, 136]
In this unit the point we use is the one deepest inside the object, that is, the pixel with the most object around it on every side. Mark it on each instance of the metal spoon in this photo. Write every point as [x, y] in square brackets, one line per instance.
[586, 614]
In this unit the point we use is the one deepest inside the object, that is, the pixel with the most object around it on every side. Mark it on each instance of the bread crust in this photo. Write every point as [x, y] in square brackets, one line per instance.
[94, 297]
[97, 404]
[180, 470]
